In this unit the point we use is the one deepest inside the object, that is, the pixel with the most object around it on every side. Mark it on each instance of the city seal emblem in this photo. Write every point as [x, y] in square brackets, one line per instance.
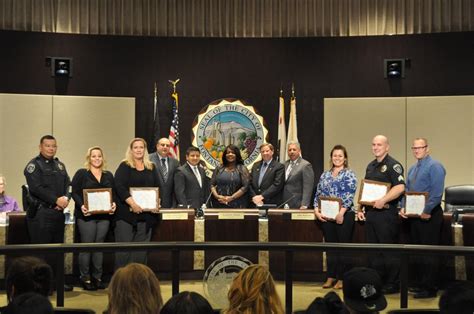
[229, 121]
[218, 278]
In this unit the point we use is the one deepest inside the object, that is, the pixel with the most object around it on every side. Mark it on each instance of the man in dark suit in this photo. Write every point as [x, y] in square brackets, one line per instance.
[299, 179]
[191, 185]
[268, 178]
[166, 167]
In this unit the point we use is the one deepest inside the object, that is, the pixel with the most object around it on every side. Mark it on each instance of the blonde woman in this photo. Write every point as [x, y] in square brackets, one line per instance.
[134, 289]
[131, 223]
[253, 292]
[92, 228]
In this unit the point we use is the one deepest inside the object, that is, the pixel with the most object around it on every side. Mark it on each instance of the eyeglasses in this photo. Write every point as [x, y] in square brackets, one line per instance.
[419, 148]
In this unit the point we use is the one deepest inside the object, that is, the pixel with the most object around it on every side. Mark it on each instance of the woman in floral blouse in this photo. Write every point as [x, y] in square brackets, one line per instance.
[338, 182]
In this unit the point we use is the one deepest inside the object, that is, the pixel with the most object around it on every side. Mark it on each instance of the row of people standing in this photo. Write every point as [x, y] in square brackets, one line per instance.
[269, 182]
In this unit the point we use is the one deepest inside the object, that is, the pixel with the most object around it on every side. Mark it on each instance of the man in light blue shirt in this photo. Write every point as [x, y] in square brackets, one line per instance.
[427, 175]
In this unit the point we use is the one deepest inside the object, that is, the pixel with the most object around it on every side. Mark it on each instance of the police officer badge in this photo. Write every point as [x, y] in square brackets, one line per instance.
[60, 166]
[383, 169]
[30, 168]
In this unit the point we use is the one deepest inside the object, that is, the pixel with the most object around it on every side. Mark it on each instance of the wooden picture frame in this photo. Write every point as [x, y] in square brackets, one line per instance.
[418, 201]
[148, 198]
[377, 190]
[96, 200]
[329, 200]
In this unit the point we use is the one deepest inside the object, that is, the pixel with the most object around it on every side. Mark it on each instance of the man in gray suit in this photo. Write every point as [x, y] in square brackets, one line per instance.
[268, 178]
[191, 185]
[166, 167]
[299, 179]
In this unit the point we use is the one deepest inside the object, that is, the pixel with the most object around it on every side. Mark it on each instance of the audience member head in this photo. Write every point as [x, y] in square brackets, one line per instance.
[134, 289]
[253, 292]
[3, 183]
[363, 291]
[28, 303]
[458, 298]
[331, 303]
[187, 303]
[28, 274]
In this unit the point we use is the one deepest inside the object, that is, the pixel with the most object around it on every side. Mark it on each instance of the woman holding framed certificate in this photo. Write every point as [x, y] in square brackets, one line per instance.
[334, 208]
[92, 193]
[136, 182]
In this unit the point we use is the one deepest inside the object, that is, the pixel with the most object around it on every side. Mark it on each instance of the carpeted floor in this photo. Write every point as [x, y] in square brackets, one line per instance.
[303, 293]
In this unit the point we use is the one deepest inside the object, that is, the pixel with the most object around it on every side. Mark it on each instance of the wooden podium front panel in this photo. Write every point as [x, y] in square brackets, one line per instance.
[172, 230]
[232, 230]
[282, 228]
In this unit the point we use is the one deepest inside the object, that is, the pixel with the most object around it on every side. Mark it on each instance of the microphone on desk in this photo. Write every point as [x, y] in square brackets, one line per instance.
[201, 210]
[285, 202]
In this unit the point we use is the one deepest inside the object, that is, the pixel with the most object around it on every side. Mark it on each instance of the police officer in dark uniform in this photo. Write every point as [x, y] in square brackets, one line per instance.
[382, 222]
[48, 184]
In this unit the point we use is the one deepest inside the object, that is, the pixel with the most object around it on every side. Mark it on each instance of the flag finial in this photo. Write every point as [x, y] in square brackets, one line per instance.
[293, 90]
[174, 83]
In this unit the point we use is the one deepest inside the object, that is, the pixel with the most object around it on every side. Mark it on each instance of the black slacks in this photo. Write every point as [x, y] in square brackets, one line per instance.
[337, 262]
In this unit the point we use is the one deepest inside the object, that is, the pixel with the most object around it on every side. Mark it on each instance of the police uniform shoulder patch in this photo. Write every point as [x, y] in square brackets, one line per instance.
[31, 167]
[398, 169]
[400, 178]
[383, 168]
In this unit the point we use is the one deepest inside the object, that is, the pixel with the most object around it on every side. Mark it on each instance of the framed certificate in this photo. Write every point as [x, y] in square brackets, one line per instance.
[330, 206]
[147, 198]
[370, 191]
[415, 203]
[98, 201]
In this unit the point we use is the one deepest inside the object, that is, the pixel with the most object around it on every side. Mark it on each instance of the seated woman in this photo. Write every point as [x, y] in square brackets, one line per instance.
[187, 303]
[253, 292]
[339, 182]
[230, 181]
[134, 289]
[28, 274]
[7, 203]
[92, 228]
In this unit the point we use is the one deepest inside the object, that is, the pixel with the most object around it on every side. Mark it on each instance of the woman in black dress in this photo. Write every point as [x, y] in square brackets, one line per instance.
[92, 228]
[230, 181]
[132, 224]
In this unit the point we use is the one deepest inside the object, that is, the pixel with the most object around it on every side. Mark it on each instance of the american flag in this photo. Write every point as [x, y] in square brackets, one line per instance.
[174, 129]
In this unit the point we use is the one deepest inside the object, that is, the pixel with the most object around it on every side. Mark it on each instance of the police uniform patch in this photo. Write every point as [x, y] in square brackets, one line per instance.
[30, 168]
[384, 168]
[60, 166]
[398, 168]
[400, 178]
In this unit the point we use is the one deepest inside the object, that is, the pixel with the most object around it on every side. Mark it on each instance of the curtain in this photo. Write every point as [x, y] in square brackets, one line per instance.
[238, 18]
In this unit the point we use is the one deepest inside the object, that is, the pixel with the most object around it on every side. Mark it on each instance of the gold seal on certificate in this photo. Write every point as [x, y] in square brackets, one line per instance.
[98, 201]
[370, 191]
[147, 198]
[415, 203]
[330, 207]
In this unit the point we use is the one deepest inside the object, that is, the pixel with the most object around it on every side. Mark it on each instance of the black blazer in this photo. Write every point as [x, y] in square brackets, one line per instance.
[187, 189]
[166, 188]
[272, 182]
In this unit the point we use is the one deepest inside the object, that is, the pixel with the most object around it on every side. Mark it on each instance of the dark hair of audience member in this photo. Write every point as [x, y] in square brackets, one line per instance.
[331, 303]
[28, 274]
[28, 303]
[253, 292]
[187, 303]
[134, 289]
[458, 298]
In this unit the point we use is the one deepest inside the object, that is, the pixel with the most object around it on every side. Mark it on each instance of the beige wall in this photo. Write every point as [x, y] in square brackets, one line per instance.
[447, 122]
[77, 122]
